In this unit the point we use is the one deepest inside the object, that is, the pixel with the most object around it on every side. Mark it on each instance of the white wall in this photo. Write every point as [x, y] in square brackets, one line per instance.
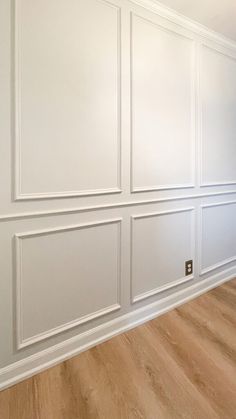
[117, 165]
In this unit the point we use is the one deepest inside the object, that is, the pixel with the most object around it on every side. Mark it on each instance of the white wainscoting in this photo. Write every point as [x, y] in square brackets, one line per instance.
[57, 269]
[218, 235]
[163, 107]
[218, 110]
[117, 165]
[47, 358]
[161, 243]
[67, 98]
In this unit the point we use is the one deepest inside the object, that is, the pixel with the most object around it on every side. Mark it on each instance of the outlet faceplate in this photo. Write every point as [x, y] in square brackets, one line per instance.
[188, 267]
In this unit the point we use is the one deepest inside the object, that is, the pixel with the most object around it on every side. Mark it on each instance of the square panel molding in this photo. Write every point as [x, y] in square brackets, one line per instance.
[217, 236]
[66, 99]
[163, 76]
[161, 243]
[65, 278]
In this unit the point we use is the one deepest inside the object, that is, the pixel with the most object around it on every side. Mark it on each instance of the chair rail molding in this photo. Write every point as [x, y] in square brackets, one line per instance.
[117, 167]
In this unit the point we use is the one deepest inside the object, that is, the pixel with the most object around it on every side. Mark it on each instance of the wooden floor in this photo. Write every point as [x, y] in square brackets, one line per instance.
[180, 365]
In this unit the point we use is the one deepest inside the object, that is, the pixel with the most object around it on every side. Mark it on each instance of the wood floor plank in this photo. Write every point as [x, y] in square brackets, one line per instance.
[181, 365]
[197, 362]
[166, 378]
[214, 334]
[218, 308]
[225, 296]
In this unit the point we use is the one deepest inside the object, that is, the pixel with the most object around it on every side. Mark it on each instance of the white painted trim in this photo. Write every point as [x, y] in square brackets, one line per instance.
[158, 290]
[16, 88]
[198, 114]
[219, 51]
[173, 16]
[162, 188]
[203, 271]
[169, 285]
[66, 326]
[51, 356]
[218, 265]
[69, 194]
[177, 33]
[68, 211]
[151, 5]
[209, 184]
[159, 213]
[20, 341]
[218, 204]
[46, 358]
[200, 110]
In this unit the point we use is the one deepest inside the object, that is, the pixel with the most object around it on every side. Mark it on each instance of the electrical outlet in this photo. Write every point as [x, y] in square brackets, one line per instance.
[188, 267]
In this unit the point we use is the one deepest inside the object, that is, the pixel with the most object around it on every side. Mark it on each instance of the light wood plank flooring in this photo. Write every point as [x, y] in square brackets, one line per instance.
[180, 365]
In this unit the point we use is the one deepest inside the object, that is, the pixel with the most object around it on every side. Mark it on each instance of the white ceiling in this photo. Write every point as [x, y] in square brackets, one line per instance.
[219, 15]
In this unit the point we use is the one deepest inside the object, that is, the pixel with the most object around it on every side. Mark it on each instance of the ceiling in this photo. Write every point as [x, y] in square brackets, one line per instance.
[218, 15]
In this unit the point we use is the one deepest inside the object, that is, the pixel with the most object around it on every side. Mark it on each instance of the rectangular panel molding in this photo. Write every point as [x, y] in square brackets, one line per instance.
[217, 117]
[217, 236]
[117, 166]
[67, 99]
[65, 272]
[162, 107]
[161, 243]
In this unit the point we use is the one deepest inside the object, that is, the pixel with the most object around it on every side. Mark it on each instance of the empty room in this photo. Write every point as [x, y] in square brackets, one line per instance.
[117, 209]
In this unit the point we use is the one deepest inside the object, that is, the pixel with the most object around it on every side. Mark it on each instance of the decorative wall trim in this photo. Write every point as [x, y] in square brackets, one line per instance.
[38, 362]
[218, 204]
[68, 211]
[32, 197]
[204, 184]
[20, 341]
[200, 111]
[203, 271]
[229, 54]
[162, 188]
[218, 265]
[176, 33]
[158, 290]
[143, 296]
[175, 17]
[26, 366]
[16, 89]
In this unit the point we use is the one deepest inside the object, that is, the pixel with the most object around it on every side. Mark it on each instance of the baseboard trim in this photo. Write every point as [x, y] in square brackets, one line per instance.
[47, 358]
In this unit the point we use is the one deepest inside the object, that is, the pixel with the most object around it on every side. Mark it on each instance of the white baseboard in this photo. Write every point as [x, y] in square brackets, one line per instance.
[47, 358]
